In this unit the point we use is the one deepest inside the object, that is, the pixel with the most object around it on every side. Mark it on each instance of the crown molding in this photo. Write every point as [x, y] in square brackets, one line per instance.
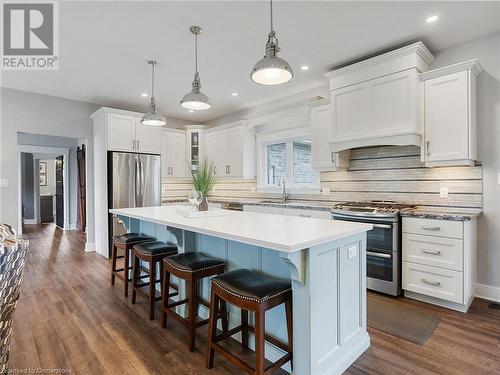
[472, 65]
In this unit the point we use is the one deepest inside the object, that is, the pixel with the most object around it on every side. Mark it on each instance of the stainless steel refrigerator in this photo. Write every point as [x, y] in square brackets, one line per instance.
[134, 180]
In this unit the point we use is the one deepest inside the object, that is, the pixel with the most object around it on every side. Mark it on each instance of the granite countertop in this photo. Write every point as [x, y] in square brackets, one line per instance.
[438, 213]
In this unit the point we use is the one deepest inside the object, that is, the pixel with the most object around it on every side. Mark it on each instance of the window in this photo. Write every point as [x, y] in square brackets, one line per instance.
[290, 160]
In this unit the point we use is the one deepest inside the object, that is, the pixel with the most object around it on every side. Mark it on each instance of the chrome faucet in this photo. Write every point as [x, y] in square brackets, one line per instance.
[284, 194]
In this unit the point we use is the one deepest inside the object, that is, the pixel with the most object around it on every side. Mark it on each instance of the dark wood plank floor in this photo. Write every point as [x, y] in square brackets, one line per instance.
[69, 317]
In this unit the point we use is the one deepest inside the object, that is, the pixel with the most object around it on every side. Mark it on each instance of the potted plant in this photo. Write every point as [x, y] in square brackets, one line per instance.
[203, 182]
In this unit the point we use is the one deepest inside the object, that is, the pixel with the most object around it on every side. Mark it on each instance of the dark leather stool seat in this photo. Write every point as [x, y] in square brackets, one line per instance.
[193, 262]
[250, 285]
[125, 242]
[249, 291]
[191, 267]
[129, 238]
[156, 248]
[152, 253]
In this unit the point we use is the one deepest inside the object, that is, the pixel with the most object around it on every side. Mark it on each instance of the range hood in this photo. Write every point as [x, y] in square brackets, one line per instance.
[377, 101]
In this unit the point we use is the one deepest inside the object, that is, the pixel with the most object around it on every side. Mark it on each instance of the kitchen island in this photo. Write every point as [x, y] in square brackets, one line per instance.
[326, 261]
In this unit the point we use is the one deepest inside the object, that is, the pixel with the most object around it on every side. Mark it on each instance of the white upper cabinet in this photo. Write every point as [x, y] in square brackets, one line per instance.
[125, 132]
[147, 138]
[121, 132]
[450, 115]
[375, 102]
[321, 127]
[232, 150]
[173, 153]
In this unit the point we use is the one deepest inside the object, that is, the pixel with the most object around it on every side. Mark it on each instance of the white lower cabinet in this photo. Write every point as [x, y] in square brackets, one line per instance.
[433, 281]
[439, 261]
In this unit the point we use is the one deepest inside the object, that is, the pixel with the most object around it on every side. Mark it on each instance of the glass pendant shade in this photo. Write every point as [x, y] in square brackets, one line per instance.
[196, 100]
[153, 118]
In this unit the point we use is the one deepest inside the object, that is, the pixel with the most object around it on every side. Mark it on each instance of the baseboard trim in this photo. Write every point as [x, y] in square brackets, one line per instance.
[439, 302]
[72, 226]
[89, 247]
[31, 221]
[490, 293]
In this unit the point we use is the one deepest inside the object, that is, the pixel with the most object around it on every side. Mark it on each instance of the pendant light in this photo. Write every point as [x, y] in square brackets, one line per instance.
[195, 100]
[152, 118]
[272, 70]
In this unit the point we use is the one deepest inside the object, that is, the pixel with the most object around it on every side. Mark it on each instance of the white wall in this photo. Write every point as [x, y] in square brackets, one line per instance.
[487, 50]
[39, 114]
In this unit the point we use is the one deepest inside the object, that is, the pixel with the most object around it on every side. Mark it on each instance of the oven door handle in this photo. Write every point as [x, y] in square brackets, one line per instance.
[382, 226]
[379, 255]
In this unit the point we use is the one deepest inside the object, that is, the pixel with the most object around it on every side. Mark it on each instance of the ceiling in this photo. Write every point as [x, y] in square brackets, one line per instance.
[103, 46]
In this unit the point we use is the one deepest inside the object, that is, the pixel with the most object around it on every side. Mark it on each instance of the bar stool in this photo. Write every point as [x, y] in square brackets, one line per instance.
[152, 253]
[125, 242]
[191, 267]
[249, 291]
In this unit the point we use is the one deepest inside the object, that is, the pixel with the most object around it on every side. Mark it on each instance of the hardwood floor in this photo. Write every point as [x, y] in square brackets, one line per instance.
[69, 317]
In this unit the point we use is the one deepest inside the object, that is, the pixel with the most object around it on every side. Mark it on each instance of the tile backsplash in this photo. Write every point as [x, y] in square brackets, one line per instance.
[392, 173]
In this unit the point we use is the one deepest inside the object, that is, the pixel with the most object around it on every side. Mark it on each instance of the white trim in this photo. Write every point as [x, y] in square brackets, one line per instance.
[72, 226]
[89, 247]
[472, 65]
[31, 221]
[418, 48]
[233, 124]
[438, 301]
[488, 292]
[106, 110]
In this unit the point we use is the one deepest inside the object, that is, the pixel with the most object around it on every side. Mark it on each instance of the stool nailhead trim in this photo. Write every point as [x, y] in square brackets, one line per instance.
[197, 270]
[251, 298]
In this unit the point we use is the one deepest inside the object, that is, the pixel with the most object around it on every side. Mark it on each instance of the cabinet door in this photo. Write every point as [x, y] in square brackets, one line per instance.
[234, 157]
[148, 138]
[393, 103]
[211, 149]
[177, 155]
[165, 148]
[349, 111]
[321, 126]
[446, 118]
[121, 132]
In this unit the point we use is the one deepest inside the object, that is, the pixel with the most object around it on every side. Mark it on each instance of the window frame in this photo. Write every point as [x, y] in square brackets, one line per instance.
[288, 138]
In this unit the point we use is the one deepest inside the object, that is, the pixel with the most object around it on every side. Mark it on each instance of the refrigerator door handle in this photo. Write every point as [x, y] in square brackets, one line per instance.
[141, 183]
[136, 183]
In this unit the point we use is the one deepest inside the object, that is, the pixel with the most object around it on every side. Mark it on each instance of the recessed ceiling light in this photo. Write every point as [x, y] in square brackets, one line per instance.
[144, 94]
[234, 94]
[191, 111]
[304, 67]
[432, 19]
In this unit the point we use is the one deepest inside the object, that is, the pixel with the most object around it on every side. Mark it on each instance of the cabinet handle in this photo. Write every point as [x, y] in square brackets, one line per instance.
[430, 282]
[229, 169]
[378, 255]
[382, 226]
[427, 147]
[332, 157]
[133, 144]
[434, 229]
[433, 252]
[302, 215]
[172, 170]
[215, 170]
[137, 144]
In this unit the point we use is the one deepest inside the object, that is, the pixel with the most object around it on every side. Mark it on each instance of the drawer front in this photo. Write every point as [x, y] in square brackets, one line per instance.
[434, 251]
[431, 227]
[307, 213]
[433, 281]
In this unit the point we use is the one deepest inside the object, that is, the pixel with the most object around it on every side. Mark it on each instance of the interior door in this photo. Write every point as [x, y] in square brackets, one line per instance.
[59, 192]
[82, 183]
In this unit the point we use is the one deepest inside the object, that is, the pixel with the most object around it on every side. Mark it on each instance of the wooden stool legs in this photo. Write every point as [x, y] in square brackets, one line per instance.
[126, 265]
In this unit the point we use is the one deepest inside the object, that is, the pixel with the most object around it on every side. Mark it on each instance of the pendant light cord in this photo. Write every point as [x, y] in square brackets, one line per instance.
[271, 7]
[196, 53]
[153, 79]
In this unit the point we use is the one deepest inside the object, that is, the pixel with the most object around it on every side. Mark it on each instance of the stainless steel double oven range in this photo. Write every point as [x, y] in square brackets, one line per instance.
[383, 248]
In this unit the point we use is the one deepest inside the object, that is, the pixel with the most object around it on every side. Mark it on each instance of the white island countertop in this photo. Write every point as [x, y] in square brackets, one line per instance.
[277, 232]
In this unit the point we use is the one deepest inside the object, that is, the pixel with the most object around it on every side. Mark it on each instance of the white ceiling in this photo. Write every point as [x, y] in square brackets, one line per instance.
[103, 46]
